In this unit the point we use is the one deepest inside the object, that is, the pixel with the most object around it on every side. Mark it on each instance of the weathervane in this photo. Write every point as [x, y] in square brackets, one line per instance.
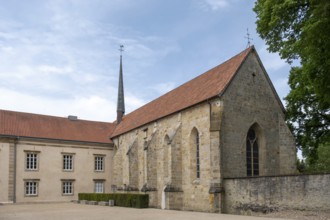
[248, 38]
[121, 49]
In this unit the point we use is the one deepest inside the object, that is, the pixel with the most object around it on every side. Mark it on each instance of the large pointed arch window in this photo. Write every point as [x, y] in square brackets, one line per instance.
[252, 153]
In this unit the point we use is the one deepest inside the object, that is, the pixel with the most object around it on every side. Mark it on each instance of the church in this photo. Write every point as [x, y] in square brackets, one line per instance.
[179, 148]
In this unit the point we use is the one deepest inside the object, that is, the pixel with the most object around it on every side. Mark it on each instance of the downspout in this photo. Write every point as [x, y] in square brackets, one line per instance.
[15, 168]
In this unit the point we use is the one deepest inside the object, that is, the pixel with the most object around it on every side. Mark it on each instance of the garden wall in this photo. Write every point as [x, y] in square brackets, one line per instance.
[266, 194]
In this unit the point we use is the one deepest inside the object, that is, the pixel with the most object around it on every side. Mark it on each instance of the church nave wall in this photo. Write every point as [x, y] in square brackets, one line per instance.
[165, 160]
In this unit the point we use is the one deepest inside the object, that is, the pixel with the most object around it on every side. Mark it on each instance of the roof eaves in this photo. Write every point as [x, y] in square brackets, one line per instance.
[54, 140]
[180, 110]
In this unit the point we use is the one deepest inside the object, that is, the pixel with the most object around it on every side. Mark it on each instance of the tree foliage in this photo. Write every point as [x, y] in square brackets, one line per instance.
[299, 30]
[323, 162]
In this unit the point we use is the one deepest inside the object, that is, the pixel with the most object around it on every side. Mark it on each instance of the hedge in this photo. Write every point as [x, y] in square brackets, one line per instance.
[121, 199]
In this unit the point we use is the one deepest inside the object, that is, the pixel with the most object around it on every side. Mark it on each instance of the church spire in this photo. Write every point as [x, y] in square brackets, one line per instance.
[121, 100]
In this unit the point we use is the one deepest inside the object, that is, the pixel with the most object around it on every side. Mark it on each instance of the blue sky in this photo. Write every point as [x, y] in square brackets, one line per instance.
[60, 57]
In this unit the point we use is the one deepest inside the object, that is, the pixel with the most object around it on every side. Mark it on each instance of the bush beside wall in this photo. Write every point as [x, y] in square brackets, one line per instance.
[121, 199]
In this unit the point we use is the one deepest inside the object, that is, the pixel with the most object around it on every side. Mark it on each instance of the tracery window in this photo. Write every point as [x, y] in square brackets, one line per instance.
[252, 153]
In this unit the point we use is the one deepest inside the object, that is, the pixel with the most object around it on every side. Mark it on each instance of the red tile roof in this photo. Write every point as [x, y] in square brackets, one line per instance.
[208, 85]
[50, 127]
[197, 90]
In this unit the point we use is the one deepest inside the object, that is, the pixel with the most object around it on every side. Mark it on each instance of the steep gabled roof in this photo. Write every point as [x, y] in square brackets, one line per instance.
[208, 85]
[56, 128]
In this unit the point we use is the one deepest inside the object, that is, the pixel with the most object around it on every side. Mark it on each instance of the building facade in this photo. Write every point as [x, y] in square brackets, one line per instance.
[226, 123]
[52, 159]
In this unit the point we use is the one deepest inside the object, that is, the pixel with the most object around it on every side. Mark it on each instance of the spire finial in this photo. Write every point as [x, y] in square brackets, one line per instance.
[248, 38]
[121, 100]
[121, 49]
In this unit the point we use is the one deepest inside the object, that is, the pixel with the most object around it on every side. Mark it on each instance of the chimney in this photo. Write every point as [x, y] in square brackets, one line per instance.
[73, 118]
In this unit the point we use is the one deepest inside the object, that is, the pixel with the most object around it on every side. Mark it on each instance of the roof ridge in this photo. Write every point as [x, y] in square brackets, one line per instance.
[199, 76]
[50, 116]
[52, 127]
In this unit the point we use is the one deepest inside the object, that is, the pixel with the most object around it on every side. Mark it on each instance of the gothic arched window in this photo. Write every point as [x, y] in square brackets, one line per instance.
[198, 169]
[252, 153]
[195, 159]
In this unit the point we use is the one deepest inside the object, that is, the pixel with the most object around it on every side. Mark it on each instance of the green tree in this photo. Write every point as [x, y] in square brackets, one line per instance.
[323, 162]
[299, 30]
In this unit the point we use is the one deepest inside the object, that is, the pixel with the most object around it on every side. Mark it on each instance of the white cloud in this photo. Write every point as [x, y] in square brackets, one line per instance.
[216, 4]
[282, 87]
[85, 107]
[212, 5]
[281, 83]
[79, 74]
[271, 61]
[93, 107]
[163, 88]
[54, 69]
[132, 102]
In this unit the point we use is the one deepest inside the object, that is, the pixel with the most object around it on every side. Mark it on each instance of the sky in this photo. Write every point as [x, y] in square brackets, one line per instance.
[61, 57]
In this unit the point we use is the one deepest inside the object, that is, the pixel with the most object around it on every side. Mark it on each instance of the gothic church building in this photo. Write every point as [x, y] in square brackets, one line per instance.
[226, 123]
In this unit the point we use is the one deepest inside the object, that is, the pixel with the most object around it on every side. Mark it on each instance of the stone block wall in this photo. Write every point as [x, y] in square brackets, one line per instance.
[287, 149]
[264, 194]
[165, 158]
[174, 200]
[251, 101]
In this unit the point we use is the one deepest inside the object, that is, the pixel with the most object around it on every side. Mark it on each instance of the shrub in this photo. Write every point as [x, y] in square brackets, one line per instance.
[121, 199]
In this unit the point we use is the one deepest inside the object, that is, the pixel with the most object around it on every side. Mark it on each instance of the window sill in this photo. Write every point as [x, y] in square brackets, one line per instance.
[67, 170]
[31, 195]
[67, 194]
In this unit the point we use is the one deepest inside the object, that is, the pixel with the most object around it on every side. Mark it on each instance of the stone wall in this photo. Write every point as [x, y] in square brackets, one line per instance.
[166, 158]
[165, 155]
[265, 194]
[287, 149]
[250, 101]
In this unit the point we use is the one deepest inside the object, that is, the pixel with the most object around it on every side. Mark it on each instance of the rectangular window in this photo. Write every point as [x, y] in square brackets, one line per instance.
[99, 163]
[31, 161]
[68, 162]
[67, 187]
[31, 188]
[99, 187]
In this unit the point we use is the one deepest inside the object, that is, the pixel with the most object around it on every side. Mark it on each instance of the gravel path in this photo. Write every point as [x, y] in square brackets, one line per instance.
[71, 211]
[301, 215]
